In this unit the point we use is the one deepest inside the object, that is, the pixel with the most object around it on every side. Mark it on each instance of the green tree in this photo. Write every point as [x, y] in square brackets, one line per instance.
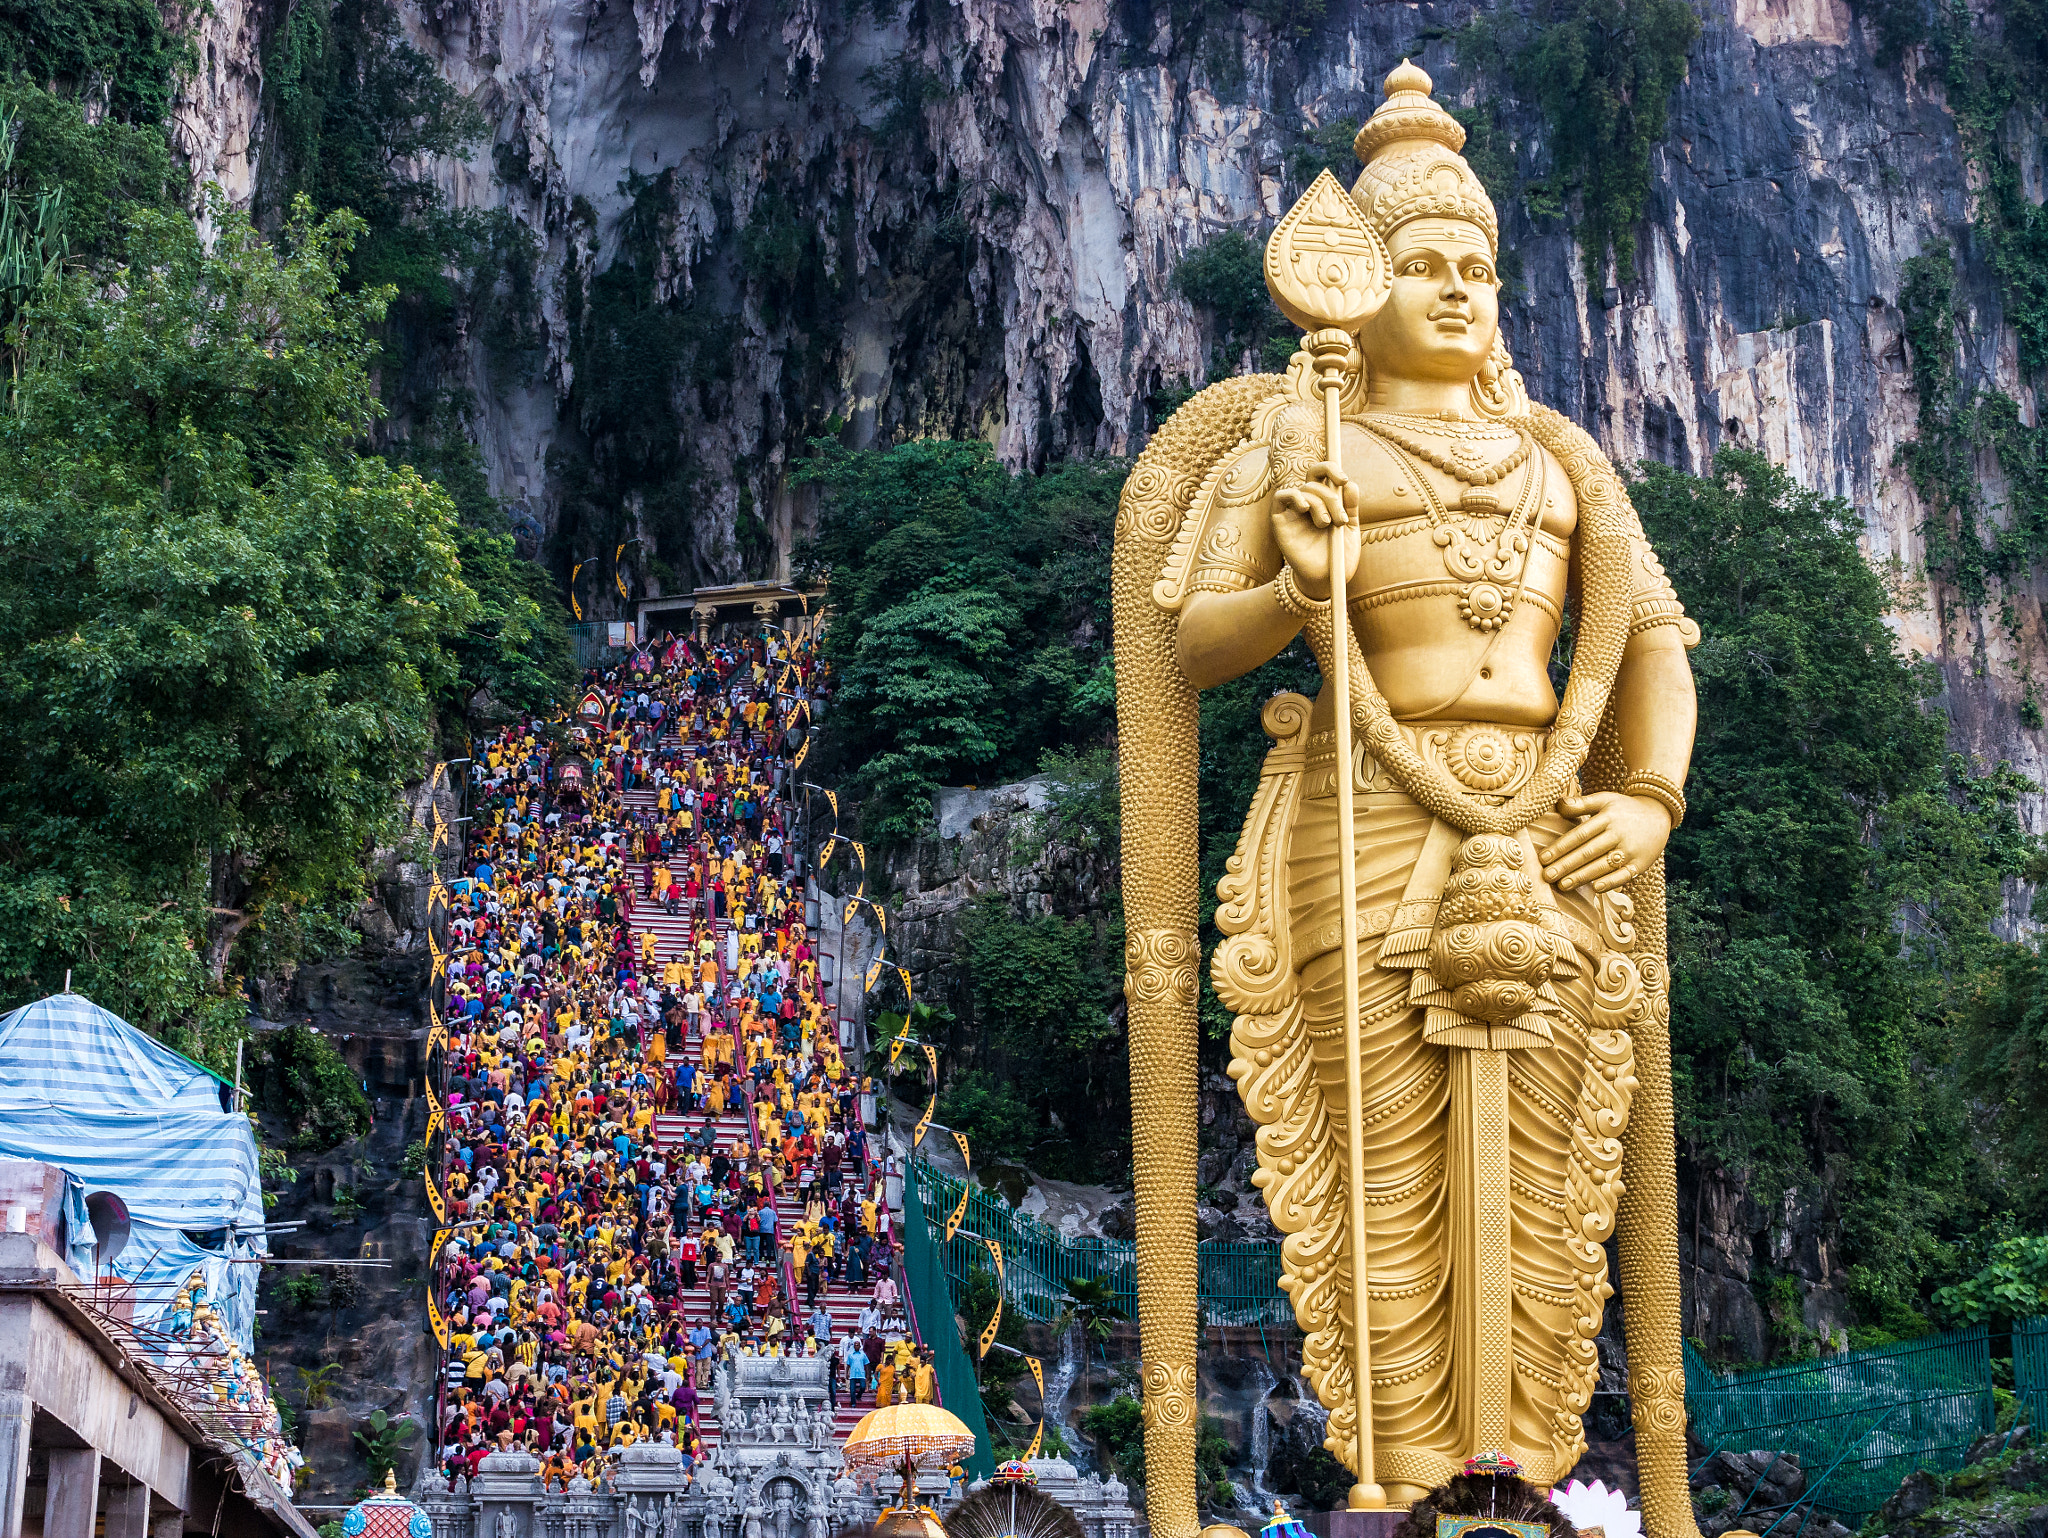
[970, 617]
[1834, 881]
[221, 626]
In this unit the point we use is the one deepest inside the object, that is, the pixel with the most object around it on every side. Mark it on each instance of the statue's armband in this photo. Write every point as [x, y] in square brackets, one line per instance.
[1654, 602]
[1225, 543]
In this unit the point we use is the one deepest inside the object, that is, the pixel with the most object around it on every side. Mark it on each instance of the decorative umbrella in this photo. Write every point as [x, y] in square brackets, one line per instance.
[898, 1437]
[1283, 1526]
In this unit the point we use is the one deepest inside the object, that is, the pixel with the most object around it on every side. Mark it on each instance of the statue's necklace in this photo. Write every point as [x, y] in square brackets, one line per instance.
[1490, 575]
[1461, 463]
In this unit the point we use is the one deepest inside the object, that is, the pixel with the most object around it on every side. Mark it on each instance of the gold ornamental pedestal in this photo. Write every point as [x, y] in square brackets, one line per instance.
[898, 1438]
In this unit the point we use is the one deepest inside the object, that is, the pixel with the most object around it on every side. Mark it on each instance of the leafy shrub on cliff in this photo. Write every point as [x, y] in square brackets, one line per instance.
[2011, 1284]
[298, 1076]
[971, 617]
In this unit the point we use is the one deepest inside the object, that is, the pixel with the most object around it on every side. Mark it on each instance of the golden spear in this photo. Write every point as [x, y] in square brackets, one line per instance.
[1329, 273]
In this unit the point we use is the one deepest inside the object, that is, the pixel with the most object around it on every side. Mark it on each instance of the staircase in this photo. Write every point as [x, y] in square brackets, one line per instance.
[842, 1303]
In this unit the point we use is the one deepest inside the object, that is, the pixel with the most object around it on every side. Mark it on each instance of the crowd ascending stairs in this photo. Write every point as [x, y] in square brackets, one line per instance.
[655, 1154]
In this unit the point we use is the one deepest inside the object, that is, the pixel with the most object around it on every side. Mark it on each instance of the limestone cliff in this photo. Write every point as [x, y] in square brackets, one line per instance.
[995, 194]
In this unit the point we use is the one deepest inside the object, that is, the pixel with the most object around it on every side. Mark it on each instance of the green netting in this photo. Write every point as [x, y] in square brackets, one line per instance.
[1859, 1422]
[933, 1300]
[1240, 1282]
[2030, 1371]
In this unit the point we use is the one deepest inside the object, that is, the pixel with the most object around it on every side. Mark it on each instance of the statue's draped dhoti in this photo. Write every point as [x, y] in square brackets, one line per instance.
[1489, 1172]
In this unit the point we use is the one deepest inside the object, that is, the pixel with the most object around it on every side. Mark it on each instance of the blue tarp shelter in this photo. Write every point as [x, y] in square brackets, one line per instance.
[119, 1111]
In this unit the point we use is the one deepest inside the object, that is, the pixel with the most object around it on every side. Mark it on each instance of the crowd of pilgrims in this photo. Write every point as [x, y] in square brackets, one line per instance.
[601, 1275]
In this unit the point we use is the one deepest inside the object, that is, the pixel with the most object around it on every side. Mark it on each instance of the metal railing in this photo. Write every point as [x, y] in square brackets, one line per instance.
[1858, 1422]
[2030, 1372]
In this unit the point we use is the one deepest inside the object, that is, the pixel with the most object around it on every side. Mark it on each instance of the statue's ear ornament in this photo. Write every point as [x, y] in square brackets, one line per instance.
[1497, 390]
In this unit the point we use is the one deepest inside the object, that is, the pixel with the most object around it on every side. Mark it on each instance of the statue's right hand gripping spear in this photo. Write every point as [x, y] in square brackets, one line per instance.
[1329, 272]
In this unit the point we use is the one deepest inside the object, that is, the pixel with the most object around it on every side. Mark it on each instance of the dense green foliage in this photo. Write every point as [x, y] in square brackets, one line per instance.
[1603, 73]
[971, 617]
[122, 48]
[1833, 885]
[1225, 279]
[223, 627]
[297, 1076]
[2011, 1284]
[358, 110]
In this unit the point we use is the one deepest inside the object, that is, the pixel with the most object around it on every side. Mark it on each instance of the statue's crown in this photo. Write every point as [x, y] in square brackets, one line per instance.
[1412, 165]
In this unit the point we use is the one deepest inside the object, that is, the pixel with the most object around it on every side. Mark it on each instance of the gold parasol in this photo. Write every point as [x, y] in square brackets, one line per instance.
[898, 1437]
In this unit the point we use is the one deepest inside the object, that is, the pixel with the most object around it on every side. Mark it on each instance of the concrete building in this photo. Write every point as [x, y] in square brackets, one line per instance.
[91, 1440]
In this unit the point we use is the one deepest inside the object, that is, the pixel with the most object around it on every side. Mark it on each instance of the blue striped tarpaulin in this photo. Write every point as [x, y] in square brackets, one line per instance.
[86, 1091]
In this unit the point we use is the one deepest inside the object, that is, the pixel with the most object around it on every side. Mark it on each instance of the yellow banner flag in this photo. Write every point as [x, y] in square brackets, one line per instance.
[959, 1212]
[931, 1055]
[874, 971]
[619, 575]
[436, 1320]
[575, 572]
[860, 853]
[802, 753]
[438, 1202]
[896, 1046]
[965, 1157]
[1037, 1435]
[995, 1320]
[905, 975]
[832, 800]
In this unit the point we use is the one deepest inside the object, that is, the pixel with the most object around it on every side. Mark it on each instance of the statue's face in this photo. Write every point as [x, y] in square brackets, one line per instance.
[1439, 321]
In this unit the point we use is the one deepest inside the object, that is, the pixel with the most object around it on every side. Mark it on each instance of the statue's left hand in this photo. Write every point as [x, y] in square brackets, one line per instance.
[1617, 838]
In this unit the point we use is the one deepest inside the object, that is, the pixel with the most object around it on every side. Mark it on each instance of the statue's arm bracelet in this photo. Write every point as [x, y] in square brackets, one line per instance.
[1294, 600]
[1659, 788]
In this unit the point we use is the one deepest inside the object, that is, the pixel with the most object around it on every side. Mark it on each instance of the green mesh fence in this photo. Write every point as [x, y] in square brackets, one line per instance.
[933, 1300]
[1858, 1422]
[1240, 1282]
[2030, 1372]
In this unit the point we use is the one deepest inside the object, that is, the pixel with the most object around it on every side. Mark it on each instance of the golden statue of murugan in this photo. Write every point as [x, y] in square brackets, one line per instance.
[1461, 1076]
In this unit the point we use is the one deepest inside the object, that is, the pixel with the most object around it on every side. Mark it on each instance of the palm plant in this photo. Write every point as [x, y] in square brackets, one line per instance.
[1090, 1305]
[318, 1384]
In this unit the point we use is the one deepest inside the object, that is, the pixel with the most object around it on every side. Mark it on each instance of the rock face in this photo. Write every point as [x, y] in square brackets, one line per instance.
[993, 196]
[354, 1340]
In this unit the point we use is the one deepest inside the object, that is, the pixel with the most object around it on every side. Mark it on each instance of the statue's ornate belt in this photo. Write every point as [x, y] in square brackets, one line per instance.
[1490, 759]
